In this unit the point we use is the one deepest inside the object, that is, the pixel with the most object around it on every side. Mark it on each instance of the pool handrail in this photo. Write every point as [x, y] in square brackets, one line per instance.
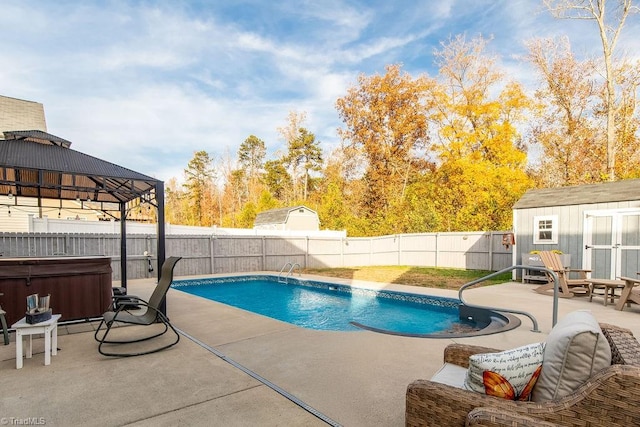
[524, 313]
[290, 272]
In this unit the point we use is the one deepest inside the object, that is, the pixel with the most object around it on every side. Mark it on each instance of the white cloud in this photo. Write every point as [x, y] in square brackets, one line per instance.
[146, 84]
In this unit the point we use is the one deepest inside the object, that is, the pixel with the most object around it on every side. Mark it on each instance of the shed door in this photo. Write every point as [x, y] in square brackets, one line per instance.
[612, 243]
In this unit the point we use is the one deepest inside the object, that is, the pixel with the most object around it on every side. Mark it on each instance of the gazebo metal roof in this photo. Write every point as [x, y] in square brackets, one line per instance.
[36, 164]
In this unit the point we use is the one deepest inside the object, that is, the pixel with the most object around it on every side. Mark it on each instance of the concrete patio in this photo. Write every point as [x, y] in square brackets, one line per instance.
[341, 378]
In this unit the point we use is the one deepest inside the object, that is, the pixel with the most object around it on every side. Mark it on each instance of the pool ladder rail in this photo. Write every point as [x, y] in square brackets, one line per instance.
[292, 267]
[554, 319]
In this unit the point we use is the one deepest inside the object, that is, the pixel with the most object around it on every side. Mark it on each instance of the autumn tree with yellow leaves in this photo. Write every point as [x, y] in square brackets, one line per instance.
[482, 160]
[448, 139]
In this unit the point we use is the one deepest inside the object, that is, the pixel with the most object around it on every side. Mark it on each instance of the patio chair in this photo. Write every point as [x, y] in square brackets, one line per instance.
[567, 287]
[149, 314]
[610, 397]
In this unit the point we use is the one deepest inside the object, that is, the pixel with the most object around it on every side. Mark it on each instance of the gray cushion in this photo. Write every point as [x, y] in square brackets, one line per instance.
[575, 350]
[450, 374]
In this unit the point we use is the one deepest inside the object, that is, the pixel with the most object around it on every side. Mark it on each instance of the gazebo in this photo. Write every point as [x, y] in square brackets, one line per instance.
[36, 164]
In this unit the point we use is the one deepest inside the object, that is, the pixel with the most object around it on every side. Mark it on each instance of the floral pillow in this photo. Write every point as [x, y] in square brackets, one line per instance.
[510, 374]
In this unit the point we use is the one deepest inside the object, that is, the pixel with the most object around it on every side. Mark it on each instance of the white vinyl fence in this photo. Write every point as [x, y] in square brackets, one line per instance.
[48, 225]
[207, 254]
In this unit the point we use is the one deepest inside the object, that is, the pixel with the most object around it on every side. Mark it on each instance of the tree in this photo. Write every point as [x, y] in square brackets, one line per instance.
[266, 202]
[175, 203]
[232, 194]
[291, 130]
[337, 195]
[385, 121]
[305, 154]
[333, 211]
[251, 156]
[277, 179]
[628, 121]
[199, 182]
[247, 215]
[476, 195]
[565, 126]
[474, 122]
[610, 24]
[289, 133]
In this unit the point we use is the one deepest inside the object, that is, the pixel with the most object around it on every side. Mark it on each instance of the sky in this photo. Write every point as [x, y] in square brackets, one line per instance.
[146, 84]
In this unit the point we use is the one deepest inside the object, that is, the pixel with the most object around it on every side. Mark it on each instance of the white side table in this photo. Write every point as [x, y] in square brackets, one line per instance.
[50, 330]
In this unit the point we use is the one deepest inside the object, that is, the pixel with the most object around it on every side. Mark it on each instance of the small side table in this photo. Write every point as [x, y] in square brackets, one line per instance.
[628, 294]
[609, 287]
[50, 330]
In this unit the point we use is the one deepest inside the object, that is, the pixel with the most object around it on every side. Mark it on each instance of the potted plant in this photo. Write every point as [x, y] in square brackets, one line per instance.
[532, 258]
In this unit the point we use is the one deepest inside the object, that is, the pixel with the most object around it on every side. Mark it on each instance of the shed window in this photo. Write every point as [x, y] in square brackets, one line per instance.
[545, 229]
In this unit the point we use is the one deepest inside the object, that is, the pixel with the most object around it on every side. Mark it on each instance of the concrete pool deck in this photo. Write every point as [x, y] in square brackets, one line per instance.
[352, 378]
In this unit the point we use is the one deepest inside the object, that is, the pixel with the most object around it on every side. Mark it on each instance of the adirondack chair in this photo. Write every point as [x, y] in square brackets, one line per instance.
[568, 287]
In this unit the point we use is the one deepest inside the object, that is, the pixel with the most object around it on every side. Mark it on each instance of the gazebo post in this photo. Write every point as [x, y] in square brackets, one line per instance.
[123, 245]
[159, 190]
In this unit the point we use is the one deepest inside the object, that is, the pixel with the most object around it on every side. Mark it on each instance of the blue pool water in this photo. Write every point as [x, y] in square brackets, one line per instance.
[326, 306]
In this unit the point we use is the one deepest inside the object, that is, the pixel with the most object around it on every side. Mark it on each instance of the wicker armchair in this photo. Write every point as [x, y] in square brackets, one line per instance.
[609, 398]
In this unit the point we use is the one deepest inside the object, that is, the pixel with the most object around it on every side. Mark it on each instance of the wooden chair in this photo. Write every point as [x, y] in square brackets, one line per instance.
[568, 287]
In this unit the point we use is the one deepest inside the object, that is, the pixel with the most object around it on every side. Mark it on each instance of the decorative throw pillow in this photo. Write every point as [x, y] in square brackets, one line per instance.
[510, 374]
[575, 350]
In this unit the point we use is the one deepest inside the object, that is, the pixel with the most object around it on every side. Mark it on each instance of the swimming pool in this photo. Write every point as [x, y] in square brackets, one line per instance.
[335, 307]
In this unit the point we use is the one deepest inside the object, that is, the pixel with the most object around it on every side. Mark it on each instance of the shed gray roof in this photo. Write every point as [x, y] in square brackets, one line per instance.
[38, 164]
[276, 216]
[606, 192]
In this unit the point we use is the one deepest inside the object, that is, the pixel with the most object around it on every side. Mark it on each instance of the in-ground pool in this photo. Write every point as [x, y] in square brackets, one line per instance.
[335, 307]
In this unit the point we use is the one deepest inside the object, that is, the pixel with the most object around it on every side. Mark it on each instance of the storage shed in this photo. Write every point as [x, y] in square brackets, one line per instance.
[294, 218]
[597, 224]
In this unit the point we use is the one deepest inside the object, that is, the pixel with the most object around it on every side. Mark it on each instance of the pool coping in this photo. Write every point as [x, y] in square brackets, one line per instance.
[494, 327]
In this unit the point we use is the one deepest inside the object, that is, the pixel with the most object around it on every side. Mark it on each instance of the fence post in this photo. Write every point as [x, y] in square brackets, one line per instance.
[370, 250]
[306, 254]
[436, 254]
[212, 253]
[491, 251]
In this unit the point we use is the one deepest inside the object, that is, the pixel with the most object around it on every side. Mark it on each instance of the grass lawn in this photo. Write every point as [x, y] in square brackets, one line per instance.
[446, 278]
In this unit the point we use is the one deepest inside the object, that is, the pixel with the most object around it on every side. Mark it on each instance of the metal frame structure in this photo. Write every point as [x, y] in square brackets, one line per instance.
[36, 164]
